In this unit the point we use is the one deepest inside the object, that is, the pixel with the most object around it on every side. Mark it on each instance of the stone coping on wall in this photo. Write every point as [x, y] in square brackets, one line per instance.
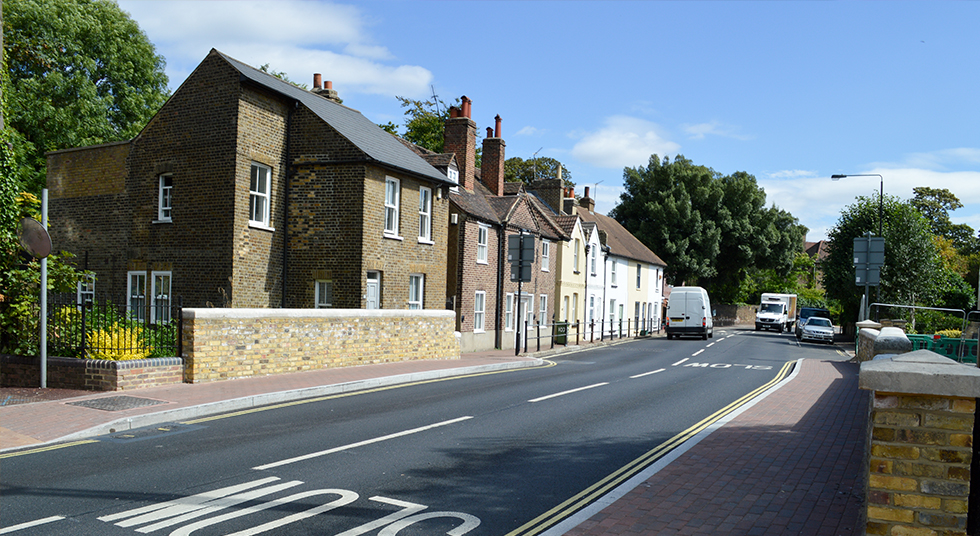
[921, 372]
[252, 313]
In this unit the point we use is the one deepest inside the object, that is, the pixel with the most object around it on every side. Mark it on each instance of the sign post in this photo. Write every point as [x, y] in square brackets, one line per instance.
[520, 254]
[869, 256]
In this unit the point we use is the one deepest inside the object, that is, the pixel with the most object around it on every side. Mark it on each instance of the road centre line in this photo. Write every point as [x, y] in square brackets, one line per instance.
[647, 373]
[710, 345]
[359, 444]
[696, 353]
[568, 392]
[681, 361]
[31, 524]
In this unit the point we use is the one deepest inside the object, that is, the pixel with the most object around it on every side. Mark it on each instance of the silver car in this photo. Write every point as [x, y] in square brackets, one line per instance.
[818, 329]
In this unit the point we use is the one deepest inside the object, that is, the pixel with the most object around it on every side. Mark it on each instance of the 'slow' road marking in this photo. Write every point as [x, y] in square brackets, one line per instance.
[568, 392]
[30, 524]
[647, 373]
[360, 444]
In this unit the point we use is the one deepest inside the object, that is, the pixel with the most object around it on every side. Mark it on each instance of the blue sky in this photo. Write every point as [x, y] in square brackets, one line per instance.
[790, 92]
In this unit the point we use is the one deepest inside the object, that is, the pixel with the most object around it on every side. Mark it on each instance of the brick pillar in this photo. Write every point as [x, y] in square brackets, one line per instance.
[920, 449]
[492, 165]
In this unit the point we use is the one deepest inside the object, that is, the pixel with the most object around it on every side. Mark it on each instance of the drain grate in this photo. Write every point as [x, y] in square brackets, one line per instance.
[116, 403]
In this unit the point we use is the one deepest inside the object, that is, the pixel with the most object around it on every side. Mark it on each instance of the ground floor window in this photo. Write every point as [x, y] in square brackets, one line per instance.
[160, 307]
[137, 296]
[416, 285]
[479, 309]
[324, 294]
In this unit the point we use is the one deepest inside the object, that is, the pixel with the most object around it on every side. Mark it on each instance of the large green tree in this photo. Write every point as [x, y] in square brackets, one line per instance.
[81, 72]
[936, 204]
[537, 168]
[709, 229]
[913, 273]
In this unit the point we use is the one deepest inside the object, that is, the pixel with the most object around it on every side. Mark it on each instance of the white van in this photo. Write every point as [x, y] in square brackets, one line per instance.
[689, 313]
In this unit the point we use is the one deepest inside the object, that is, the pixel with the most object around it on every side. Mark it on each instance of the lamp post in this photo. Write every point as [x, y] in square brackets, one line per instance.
[881, 193]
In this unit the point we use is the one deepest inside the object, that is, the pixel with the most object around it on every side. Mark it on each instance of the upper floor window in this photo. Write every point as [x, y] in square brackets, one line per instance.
[545, 256]
[592, 253]
[639, 270]
[425, 214]
[324, 294]
[481, 243]
[416, 286]
[165, 197]
[612, 274]
[258, 195]
[575, 255]
[392, 194]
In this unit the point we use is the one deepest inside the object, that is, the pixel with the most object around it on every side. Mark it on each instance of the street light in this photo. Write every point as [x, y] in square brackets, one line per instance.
[881, 193]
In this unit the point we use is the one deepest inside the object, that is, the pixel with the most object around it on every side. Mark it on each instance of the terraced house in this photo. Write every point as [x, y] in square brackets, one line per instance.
[247, 191]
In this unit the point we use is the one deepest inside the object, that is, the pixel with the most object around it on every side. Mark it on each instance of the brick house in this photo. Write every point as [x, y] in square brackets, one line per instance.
[484, 212]
[247, 191]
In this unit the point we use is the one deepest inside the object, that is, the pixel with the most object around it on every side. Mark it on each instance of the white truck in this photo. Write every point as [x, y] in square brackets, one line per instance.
[777, 311]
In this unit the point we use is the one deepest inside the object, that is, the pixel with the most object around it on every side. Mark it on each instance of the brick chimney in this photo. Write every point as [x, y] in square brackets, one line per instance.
[568, 201]
[327, 91]
[587, 201]
[492, 164]
[460, 139]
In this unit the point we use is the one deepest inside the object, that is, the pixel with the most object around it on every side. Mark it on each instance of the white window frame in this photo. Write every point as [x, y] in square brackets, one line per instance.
[509, 313]
[612, 312]
[165, 199]
[323, 294]
[479, 311]
[158, 299]
[453, 175]
[575, 255]
[259, 200]
[575, 307]
[425, 215]
[482, 243]
[136, 311]
[612, 273]
[565, 308]
[592, 253]
[591, 308]
[85, 289]
[416, 291]
[639, 272]
[545, 255]
[392, 206]
[543, 309]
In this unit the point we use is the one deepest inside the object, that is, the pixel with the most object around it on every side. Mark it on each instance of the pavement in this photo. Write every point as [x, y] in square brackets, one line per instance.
[789, 462]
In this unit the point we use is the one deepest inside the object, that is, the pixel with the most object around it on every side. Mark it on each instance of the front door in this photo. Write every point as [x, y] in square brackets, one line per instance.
[373, 296]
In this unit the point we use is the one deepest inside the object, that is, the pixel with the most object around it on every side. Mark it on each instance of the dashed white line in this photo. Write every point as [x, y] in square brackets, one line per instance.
[681, 361]
[30, 524]
[647, 373]
[710, 345]
[360, 444]
[696, 353]
[568, 392]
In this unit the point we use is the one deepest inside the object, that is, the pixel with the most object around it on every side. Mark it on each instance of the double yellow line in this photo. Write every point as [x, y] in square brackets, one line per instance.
[587, 496]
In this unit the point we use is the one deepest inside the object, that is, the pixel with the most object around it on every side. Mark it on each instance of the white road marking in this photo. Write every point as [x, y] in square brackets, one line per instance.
[30, 524]
[681, 361]
[698, 352]
[568, 392]
[359, 444]
[647, 373]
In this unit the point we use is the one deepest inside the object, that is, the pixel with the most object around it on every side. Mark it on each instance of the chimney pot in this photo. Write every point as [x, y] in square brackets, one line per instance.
[467, 107]
[489, 132]
[328, 85]
[316, 80]
[586, 191]
[497, 127]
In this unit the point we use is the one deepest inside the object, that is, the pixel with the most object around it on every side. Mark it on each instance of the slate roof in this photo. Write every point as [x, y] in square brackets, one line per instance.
[377, 144]
[620, 241]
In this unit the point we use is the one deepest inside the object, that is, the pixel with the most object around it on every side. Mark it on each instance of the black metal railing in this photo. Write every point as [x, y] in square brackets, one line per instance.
[103, 329]
[560, 333]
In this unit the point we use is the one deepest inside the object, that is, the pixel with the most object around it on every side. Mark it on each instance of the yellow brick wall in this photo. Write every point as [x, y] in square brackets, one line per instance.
[222, 344]
[919, 470]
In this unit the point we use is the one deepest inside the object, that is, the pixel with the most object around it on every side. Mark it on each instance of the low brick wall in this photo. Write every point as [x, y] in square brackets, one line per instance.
[731, 315]
[920, 448]
[222, 344]
[90, 374]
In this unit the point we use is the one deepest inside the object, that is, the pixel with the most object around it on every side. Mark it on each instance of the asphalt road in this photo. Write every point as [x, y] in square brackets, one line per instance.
[508, 453]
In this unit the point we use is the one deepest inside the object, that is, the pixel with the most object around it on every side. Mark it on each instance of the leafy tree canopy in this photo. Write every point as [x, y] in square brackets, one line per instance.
[527, 171]
[425, 122]
[81, 73]
[709, 229]
[936, 204]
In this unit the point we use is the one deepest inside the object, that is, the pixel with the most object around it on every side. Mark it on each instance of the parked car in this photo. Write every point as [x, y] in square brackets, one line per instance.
[807, 312]
[818, 329]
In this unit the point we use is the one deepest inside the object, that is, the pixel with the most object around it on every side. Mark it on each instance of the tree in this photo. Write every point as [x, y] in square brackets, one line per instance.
[709, 229]
[425, 122]
[671, 208]
[81, 73]
[913, 273]
[936, 204]
[527, 171]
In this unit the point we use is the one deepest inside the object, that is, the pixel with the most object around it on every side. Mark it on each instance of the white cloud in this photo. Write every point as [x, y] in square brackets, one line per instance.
[943, 160]
[529, 131]
[296, 38]
[714, 128]
[792, 174]
[623, 141]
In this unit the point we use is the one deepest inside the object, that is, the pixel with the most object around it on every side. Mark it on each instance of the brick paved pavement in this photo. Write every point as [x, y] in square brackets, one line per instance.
[791, 464]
